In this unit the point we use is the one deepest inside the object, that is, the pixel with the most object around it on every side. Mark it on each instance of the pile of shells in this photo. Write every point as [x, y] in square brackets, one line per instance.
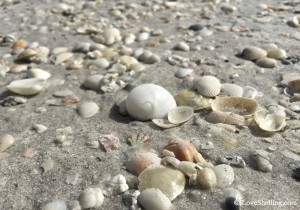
[264, 57]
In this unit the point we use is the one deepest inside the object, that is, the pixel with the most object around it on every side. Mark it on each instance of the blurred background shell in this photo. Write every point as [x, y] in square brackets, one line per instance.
[208, 86]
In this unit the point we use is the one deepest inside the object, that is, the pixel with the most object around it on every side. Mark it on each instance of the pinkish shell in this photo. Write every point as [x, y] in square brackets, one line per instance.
[109, 142]
[140, 161]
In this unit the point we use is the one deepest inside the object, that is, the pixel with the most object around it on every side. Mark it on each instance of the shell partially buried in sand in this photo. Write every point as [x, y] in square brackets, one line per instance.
[26, 87]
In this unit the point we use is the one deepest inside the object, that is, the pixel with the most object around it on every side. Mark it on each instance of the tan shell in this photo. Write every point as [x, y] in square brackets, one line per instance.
[294, 85]
[276, 53]
[208, 86]
[253, 53]
[269, 122]
[190, 98]
[225, 117]
[180, 114]
[235, 105]
[163, 123]
[266, 62]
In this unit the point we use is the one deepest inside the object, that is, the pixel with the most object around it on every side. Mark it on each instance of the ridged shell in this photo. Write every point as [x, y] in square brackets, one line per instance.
[30, 86]
[269, 122]
[266, 62]
[149, 101]
[208, 86]
[253, 53]
[180, 114]
[232, 90]
[235, 105]
[190, 98]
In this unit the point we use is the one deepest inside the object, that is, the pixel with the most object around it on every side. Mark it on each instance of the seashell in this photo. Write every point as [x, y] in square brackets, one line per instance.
[225, 117]
[143, 36]
[149, 101]
[42, 52]
[224, 174]
[140, 161]
[39, 128]
[6, 141]
[114, 185]
[19, 44]
[253, 53]
[62, 57]
[169, 181]
[180, 114]
[263, 164]
[231, 90]
[266, 62]
[93, 82]
[59, 50]
[190, 98]
[206, 178]
[208, 86]
[269, 122]
[27, 55]
[295, 22]
[235, 105]
[250, 92]
[91, 198]
[294, 85]
[164, 123]
[127, 61]
[181, 73]
[87, 109]
[269, 47]
[153, 198]
[171, 160]
[182, 46]
[82, 47]
[137, 67]
[38, 73]
[16, 68]
[111, 35]
[188, 168]
[55, 205]
[30, 86]
[184, 151]
[129, 38]
[276, 54]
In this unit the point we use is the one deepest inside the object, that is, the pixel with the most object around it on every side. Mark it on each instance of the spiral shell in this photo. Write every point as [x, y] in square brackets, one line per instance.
[149, 101]
[208, 86]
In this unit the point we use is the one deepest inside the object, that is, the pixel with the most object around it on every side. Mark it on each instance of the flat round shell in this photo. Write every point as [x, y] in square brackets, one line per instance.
[180, 114]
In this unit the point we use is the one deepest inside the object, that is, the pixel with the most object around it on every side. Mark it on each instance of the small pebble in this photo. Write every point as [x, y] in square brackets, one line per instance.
[196, 27]
[276, 54]
[263, 164]
[87, 109]
[182, 46]
[253, 53]
[236, 160]
[63, 93]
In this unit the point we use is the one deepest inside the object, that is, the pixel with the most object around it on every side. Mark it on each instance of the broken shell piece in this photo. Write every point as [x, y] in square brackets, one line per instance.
[114, 185]
[149, 101]
[269, 122]
[253, 53]
[164, 123]
[184, 151]
[153, 198]
[109, 142]
[6, 141]
[91, 198]
[250, 92]
[140, 161]
[208, 86]
[38, 73]
[169, 181]
[190, 98]
[206, 178]
[180, 114]
[235, 105]
[30, 86]
[181, 73]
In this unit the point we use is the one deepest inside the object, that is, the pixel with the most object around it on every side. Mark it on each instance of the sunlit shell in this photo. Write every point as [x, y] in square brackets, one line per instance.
[140, 161]
[208, 86]
[253, 53]
[169, 181]
[149, 101]
[19, 44]
[164, 123]
[231, 90]
[153, 198]
[235, 105]
[181, 73]
[269, 122]
[30, 86]
[184, 151]
[27, 55]
[38, 73]
[190, 98]
[180, 114]
[294, 85]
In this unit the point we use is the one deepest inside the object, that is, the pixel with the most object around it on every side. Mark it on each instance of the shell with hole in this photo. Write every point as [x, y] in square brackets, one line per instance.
[180, 114]
[26, 87]
[236, 105]
[149, 101]
[269, 122]
[208, 86]
[190, 98]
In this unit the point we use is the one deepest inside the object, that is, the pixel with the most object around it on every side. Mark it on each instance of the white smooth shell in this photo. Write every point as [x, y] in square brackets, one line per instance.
[38, 73]
[93, 82]
[269, 122]
[208, 86]
[232, 89]
[180, 114]
[87, 109]
[55, 205]
[164, 123]
[153, 198]
[149, 101]
[27, 86]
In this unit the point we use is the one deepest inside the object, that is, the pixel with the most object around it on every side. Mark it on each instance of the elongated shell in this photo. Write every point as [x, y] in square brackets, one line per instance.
[225, 117]
[149, 101]
[236, 105]
[208, 86]
[269, 122]
[140, 161]
[294, 85]
[27, 86]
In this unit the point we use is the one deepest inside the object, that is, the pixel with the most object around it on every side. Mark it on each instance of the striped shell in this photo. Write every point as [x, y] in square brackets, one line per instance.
[208, 86]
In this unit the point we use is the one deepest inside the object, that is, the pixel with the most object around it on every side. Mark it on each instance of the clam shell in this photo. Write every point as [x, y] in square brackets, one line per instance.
[208, 86]
[269, 122]
[87, 109]
[6, 141]
[164, 123]
[294, 85]
[153, 198]
[169, 181]
[190, 98]
[235, 105]
[276, 54]
[26, 54]
[62, 57]
[38, 73]
[232, 90]
[253, 53]
[266, 62]
[149, 101]
[181, 73]
[206, 178]
[180, 114]
[30, 86]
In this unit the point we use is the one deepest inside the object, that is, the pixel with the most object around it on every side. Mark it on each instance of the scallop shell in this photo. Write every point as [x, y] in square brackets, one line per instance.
[208, 86]
[169, 181]
[38, 73]
[153, 198]
[294, 85]
[266, 62]
[190, 98]
[180, 114]
[149, 101]
[30, 86]
[181, 73]
[235, 105]
[232, 90]
[253, 53]
[164, 123]
[269, 122]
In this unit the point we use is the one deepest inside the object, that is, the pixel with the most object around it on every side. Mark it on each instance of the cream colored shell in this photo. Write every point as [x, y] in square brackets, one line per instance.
[208, 86]
[30, 86]
[269, 122]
